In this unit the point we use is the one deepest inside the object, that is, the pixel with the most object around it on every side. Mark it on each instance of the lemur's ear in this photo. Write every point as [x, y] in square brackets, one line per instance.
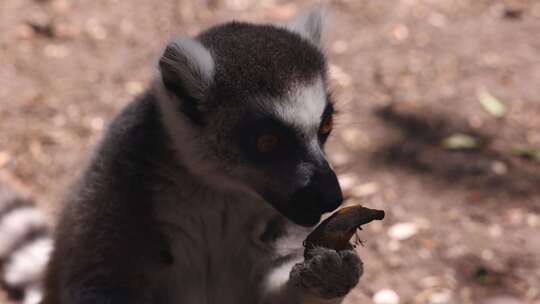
[310, 25]
[187, 68]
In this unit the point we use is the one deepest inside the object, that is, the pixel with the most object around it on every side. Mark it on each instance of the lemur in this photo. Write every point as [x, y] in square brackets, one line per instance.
[204, 187]
[25, 242]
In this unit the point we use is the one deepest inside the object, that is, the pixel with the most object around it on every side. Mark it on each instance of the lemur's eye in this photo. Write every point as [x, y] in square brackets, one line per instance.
[267, 143]
[327, 125]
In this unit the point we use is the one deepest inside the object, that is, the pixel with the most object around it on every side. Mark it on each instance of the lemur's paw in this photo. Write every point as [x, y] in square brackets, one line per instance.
[328, 273]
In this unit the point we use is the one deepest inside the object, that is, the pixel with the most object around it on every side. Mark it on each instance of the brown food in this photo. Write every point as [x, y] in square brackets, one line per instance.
[336, 231]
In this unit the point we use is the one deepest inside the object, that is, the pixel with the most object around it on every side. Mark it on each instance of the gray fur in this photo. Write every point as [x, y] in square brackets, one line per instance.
[177, 208]
[310, 25]
[328, 273]
[188, 60]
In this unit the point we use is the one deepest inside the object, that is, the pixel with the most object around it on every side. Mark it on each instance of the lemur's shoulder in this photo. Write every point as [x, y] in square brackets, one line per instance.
[130, 152]
[107, 212]
[136, 131]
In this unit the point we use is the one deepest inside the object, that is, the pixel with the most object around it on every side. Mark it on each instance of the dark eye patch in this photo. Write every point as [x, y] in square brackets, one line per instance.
[289, 147]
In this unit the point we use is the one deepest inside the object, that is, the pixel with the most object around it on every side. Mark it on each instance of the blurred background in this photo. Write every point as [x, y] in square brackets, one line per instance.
[439, 123]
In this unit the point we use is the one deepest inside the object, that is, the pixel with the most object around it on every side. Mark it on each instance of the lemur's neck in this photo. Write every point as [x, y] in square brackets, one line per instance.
[194, 168]
[202, 197]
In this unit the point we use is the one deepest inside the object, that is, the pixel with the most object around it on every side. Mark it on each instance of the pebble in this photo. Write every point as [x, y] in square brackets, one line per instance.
[386, 296]
[403, 231]
[495, 231]
[400, 32]
[340, 76]
[97, 123]
[499, 168]
[55, 51]
[487, 254]
[134, 87]
[347, 181]
[533, 220]
[354, 139]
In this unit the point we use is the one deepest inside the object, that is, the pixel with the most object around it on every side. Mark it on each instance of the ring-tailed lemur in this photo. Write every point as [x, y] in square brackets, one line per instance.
[205, 186]
[25, 243]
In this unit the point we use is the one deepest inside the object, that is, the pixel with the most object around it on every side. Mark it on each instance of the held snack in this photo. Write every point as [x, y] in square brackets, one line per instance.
[336, 231]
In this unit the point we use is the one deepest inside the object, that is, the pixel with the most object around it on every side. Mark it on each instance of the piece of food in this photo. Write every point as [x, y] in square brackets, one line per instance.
[336, 231]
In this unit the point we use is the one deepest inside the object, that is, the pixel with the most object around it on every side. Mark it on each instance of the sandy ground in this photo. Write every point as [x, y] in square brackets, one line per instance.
[463, 224]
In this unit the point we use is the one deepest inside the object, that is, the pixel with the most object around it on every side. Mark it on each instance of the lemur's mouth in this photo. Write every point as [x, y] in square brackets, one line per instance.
[303, 212]
[308, 220]
[312, 217]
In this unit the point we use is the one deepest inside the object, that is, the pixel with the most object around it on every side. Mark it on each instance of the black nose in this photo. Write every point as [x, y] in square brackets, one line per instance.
[322, 194]
[325, 184]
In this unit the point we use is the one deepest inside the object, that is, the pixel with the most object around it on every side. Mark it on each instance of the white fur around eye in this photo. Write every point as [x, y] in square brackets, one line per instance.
[305, 106]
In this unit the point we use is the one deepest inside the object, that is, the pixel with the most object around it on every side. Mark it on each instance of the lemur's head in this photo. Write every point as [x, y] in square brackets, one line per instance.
[249, 105]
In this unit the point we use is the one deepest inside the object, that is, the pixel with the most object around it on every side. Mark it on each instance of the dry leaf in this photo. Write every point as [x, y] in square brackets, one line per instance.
[526, 151]
[491, 104]
[459, 141]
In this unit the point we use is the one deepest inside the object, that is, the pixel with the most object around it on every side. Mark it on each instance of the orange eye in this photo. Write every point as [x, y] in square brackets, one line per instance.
[327, 125]
[266, 143]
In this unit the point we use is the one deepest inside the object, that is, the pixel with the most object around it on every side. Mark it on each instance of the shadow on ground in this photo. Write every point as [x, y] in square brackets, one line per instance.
[484, 170]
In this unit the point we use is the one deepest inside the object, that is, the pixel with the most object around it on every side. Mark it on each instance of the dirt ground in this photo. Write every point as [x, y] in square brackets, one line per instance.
[463, 222]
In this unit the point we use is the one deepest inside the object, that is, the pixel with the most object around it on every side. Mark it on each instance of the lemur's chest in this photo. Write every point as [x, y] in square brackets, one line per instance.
[221, 249]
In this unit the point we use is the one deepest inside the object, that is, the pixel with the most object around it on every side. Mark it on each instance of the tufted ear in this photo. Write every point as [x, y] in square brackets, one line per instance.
[187, 68]
[310, 25]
